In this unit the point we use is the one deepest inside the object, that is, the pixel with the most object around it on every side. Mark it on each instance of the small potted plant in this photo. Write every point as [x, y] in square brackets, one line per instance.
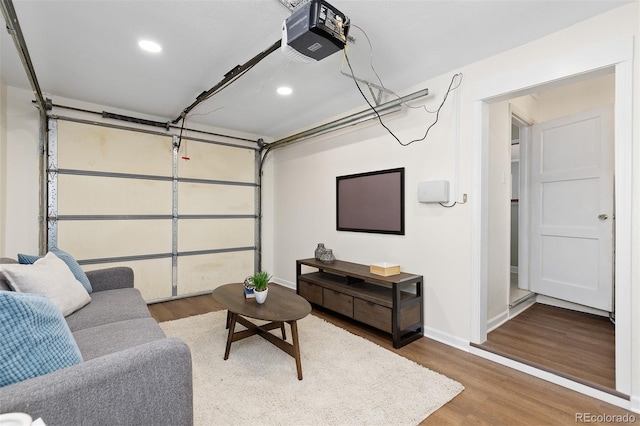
[261, 285]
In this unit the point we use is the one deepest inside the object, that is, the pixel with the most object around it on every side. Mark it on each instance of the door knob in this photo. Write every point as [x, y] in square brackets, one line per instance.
[603, 216]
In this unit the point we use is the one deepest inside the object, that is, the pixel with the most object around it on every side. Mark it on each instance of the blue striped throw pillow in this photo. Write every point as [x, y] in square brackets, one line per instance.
[36, 339]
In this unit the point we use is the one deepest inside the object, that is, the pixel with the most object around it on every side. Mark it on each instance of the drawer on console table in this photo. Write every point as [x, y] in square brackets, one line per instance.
[370, 313]
[338, 302]
[311, 292]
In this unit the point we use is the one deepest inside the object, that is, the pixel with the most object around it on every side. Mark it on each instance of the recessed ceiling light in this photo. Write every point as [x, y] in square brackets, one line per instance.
[284, 90]
[150, 46]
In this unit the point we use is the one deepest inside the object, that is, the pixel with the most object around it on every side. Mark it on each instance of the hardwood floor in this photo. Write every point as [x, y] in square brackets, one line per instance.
[572, 344]
[493, 395]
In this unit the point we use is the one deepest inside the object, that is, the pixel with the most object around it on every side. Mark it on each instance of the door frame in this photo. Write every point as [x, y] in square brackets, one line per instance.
[582, 64]
[524, 124]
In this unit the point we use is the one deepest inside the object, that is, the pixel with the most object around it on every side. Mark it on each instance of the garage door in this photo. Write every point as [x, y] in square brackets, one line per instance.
[124, 196]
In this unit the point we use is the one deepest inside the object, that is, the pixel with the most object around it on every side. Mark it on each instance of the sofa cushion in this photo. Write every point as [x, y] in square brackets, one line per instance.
[49, 276]
[109, 338]
[35, 338]
[111, 278]
[109, 306]
[73, 265]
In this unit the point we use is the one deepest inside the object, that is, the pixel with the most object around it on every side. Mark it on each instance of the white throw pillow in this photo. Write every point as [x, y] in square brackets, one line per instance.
[53, 278]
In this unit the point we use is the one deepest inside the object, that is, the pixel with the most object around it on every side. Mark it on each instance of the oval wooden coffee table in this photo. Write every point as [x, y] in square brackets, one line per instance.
[282, 306]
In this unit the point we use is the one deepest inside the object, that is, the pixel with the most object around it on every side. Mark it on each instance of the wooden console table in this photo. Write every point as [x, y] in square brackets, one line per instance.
[393, 304]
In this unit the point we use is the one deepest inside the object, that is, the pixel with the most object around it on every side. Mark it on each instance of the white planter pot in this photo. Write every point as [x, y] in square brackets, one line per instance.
[261, 296]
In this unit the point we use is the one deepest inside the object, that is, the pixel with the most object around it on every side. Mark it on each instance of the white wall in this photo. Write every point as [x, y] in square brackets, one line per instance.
[3, 163]
[499, 211]
[437, 243]
[575, 98]
[22, 168]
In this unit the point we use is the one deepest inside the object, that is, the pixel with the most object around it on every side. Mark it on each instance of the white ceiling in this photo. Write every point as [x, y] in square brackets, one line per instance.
[87, 50]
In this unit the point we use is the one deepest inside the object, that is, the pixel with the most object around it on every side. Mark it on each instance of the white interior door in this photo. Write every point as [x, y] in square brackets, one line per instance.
[572, 208]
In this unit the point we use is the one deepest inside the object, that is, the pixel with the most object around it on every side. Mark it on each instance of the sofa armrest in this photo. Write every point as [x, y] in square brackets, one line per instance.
[111, 278]
[149, 384]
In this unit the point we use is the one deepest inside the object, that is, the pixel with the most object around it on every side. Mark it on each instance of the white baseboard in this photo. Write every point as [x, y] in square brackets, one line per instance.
[447, 339]
[635, 404]
[521, 307]
[497, 321]
[505, 316]
[291, 285]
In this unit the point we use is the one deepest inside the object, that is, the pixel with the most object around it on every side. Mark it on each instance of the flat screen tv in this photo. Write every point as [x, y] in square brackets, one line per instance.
[371, 202]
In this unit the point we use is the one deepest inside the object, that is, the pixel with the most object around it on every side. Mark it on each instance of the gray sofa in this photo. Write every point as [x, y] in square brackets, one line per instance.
[131, 373]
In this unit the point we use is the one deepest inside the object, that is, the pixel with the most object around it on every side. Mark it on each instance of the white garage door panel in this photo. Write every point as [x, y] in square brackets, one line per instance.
[112, 201]
[89, 239]
[96, 148]
[217, 162]
[205, 234]
[152, 277]
[92, 195]
[204, 273]
[198, 198]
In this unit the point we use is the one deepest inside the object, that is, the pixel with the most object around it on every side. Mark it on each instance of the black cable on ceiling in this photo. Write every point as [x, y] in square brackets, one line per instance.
[437, 112]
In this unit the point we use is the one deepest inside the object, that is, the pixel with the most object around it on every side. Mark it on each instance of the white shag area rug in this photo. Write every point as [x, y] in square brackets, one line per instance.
[347, 380]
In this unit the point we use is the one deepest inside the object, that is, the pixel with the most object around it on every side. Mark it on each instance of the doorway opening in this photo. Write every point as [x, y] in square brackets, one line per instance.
[560, 168]
[615, 57]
